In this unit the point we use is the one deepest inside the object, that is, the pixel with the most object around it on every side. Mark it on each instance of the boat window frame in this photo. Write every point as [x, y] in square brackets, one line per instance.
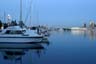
[14, 32]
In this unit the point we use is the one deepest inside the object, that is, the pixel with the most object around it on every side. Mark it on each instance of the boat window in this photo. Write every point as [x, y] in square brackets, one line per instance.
[13, 32]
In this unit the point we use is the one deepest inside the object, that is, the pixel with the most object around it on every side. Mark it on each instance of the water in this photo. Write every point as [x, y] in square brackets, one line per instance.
[63, 48]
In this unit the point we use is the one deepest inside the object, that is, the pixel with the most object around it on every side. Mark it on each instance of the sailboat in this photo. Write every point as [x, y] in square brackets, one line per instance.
[18, 33]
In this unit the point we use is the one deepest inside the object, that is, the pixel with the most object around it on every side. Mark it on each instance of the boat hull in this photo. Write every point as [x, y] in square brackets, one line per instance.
[20, 39]
[20, 46]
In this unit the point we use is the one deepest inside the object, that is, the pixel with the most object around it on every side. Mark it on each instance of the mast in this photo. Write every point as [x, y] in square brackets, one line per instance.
[30, 12]
[20, 10]
[21, 21]
[4, 16]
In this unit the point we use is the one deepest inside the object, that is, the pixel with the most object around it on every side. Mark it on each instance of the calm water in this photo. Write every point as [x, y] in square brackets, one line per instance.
[63, 48]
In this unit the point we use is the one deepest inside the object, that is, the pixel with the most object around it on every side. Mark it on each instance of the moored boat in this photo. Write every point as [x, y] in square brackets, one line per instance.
[19, 35]
[78, 28]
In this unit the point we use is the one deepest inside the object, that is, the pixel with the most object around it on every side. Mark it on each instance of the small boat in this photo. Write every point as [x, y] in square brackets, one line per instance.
[19, 35]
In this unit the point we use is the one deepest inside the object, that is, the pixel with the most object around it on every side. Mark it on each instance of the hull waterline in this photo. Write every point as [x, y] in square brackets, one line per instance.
[20, 39]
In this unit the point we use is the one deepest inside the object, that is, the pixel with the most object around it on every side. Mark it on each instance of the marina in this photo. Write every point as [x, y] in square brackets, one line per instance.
[65, 47]
[47, 32]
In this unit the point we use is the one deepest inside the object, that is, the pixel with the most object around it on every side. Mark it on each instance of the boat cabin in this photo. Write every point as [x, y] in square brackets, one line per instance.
[13, 30]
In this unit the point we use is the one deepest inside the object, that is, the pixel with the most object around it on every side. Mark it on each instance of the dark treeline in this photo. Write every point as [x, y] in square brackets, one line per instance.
[5, 25]
[1, 24]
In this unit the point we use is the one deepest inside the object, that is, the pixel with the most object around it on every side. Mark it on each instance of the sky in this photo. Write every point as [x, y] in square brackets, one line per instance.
[64, 13]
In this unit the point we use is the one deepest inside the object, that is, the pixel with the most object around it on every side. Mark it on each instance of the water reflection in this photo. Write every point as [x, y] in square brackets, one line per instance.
[16, 52]
[12, 54]
[78, 32]
[90, 33]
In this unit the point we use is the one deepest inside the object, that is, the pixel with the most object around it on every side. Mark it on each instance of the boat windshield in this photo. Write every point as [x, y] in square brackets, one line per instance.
[14, 32]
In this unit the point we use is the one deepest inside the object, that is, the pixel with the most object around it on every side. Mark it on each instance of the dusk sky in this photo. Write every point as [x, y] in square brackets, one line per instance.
[52, 12]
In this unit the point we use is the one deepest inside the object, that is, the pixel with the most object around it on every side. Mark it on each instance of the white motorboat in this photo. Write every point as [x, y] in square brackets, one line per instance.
[19, 35]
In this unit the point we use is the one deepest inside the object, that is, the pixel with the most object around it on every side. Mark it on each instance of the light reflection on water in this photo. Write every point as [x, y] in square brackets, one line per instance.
[89, 33]
[73, 47]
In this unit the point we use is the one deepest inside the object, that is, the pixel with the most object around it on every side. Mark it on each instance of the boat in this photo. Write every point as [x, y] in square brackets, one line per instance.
[79, 28]
[19, 35]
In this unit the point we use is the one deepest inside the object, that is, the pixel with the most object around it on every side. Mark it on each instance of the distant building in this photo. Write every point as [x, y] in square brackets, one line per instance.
[9, 18]
[84, 25]
[92, 24]
[95, 25]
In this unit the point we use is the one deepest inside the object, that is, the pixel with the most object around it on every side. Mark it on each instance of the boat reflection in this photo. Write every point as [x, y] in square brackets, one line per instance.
[78, 32]
[15, 52]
